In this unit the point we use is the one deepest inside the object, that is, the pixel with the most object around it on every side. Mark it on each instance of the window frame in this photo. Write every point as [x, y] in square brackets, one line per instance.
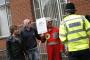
[8, 15]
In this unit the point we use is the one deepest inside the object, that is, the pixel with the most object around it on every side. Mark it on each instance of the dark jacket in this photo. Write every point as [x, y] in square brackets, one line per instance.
[14, 49]
[29, 38]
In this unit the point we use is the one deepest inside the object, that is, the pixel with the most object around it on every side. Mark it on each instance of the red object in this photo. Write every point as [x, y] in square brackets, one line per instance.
[50, 35]
[54, 50]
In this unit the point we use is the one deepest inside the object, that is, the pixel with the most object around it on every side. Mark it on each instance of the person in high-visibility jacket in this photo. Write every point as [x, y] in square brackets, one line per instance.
[75, 33]
[54, 45]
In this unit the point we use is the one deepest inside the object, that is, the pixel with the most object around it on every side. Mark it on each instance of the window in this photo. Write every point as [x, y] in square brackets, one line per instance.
[4, 18]
[50, 8]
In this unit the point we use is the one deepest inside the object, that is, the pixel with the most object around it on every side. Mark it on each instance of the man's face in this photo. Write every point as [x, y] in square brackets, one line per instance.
[28, 23]
[16, 32]
[49, 24]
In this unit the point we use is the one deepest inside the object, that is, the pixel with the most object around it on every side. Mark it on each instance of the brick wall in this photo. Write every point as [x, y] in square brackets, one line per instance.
[82, 6]
[2, 44]
[21, 10]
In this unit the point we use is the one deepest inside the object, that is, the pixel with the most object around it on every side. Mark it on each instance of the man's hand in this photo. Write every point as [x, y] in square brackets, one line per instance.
[43, 39]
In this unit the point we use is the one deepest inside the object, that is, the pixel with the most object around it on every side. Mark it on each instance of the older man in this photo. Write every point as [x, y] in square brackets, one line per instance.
[29, 35]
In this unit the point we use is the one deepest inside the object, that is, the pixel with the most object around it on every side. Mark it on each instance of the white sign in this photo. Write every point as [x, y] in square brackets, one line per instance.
[41, 25]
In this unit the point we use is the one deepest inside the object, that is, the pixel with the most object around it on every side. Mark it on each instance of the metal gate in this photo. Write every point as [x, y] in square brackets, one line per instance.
[49, 8]
[3, 54]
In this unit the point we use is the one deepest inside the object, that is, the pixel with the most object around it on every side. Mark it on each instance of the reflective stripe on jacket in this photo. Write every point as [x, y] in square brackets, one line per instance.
[75, 30]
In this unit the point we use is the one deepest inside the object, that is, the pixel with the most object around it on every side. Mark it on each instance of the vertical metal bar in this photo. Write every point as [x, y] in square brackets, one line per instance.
[34, 8]
[59, 9]
[40, 7]
[54, 3]
[53, 11]
[53, 8]
[48, 9]
[45, 13]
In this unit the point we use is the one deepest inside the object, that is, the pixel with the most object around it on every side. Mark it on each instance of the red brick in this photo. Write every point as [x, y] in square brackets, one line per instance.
[82, 6]
[21, 10]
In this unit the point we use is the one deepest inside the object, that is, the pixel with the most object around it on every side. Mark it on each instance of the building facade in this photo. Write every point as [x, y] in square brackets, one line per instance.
[82, 6]
[14, 12]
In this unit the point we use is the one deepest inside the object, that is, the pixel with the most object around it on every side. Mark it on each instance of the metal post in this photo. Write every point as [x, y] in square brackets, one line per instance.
[34, 9]
[59, 9]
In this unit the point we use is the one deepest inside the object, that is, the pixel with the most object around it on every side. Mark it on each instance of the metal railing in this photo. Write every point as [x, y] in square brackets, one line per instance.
[50, 8]
[3, 54]
[42, 49]
[43, 52]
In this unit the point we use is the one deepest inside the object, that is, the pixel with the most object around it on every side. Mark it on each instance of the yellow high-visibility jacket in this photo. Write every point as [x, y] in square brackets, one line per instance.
[74, 30]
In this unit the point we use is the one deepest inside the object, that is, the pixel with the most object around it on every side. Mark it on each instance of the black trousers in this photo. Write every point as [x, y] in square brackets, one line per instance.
[79, 55]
